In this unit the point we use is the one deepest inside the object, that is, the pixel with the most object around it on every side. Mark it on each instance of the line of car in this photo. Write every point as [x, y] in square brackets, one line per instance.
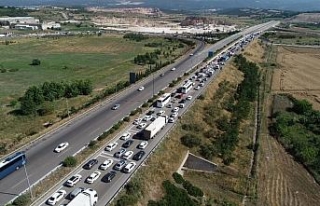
[123, 165]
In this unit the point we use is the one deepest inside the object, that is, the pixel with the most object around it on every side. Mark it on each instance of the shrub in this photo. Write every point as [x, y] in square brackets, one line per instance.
[22, 200]
[145, 104]
[190, 140]
[177, 178]
[127, 200]
[35, 62]
[69, 161]
[92, 144]
[126, 119]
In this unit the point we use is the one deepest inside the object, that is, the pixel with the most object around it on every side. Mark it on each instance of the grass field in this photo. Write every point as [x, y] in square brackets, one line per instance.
[105, 60]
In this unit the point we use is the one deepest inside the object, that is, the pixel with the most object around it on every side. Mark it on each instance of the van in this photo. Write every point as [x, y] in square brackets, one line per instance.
[75, 192]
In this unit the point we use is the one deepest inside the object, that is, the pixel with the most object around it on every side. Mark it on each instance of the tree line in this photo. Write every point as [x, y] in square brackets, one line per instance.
[238, 105]
[298, 130]
[32, 101]
[135, 36]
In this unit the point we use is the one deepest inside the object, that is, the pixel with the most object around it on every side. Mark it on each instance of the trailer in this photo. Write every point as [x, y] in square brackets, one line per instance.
[150, 131]
[88, 197]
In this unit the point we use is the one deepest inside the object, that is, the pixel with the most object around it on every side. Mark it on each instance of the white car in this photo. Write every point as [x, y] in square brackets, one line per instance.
[171, 120]
[56, 197]
[93, 177]
[143, 145]
[127, 155]
[161, 112]
[173, 69]
[181, 105]
[176, 109]
[111, 146]
[174, 114]
[142, 125]
[107, 163]
[141, 89]
[73, 180]
[147, 118]
[137, 121]
[201, 84]
[197, 88]
[125, 136]
[189, 97]
[129, 167]
[61, 147]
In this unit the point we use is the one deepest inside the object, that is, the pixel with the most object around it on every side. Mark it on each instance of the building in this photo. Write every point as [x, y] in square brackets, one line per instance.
[50, 25]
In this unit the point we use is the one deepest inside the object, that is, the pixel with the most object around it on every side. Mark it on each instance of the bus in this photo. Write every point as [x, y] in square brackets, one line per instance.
[163, 100]
[12, 163]
[186, 87]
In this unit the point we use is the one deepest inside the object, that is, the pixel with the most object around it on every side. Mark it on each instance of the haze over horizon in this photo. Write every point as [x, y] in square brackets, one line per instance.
[297, 5]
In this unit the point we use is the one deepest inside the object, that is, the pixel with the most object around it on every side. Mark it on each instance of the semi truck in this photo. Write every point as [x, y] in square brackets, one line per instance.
[88, 197]
[150, 131]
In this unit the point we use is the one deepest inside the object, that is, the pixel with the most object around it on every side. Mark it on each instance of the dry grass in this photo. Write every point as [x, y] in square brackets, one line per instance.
[298, 73]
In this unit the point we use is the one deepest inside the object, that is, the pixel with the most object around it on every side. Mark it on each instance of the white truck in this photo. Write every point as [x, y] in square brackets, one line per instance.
[153, 128]
[88, 197]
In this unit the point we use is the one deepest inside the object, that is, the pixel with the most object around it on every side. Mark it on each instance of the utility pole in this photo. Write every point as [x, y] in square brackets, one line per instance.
[25, 171]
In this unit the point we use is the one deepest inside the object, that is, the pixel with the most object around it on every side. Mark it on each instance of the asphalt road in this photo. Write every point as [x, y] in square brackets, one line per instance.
[80, 130]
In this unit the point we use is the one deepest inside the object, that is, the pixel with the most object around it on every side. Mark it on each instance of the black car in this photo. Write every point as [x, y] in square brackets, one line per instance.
[182, 101]
[139, 155]
[127, 143]
[109, 176]
[150, 112]
[90, 164]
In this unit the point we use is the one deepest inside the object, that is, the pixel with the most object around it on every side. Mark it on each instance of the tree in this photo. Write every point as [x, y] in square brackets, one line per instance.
[190, 140]
[35, 62]
[302, 106]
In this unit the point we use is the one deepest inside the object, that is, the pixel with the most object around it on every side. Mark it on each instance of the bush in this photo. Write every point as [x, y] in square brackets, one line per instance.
[103, 136]
[145, 104]
[35, 62]
[201, 97]
[190, 140]
[69, 161]
[192, 190]
[178, 178]
[127, 200]
[22, 200]
[92, 144]
[126, 119]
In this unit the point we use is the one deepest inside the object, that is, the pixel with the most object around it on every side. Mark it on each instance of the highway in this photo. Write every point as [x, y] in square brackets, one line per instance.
[80, 130]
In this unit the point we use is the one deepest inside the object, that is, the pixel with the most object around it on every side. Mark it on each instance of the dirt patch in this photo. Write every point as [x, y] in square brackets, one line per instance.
[298, 73]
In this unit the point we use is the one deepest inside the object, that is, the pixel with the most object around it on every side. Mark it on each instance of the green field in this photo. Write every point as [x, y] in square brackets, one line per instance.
[100, 59]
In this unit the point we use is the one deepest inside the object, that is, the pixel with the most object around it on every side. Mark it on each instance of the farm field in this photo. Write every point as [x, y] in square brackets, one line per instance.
[281, 180]
[298, 73]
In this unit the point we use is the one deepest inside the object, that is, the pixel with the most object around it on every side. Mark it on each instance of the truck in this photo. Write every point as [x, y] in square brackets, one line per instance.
[150, 131]
[88, 197]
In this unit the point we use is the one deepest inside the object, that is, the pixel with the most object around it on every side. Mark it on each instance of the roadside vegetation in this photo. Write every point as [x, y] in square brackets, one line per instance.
[203, 131]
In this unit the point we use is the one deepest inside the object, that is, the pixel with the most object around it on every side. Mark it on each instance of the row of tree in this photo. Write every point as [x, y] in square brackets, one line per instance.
[147, 58]
[35, 96]
[135, 36]
[298, 129]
